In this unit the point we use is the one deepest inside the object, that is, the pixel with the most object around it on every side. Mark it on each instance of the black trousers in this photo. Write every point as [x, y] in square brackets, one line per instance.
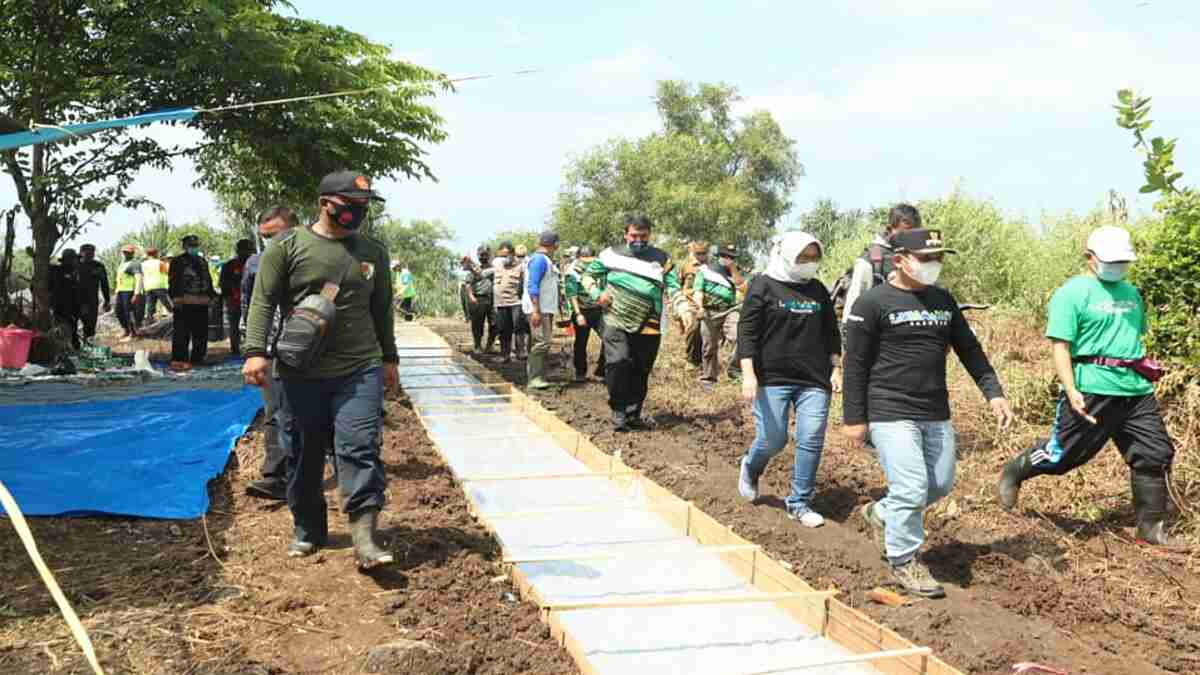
[89, 315]
[127, 312]
[153, 298]
[595, 322]
[191, 326]
[630, 358]
[234, 315]
[406, 308]
[1133, 423]
[483, 313]
[507, 319]
[695, 347]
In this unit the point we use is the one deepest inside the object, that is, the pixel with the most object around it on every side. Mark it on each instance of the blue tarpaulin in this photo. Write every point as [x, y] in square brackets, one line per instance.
[45, 134]
[149, 456]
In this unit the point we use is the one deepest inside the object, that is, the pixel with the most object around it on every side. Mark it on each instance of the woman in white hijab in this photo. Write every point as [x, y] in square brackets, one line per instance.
[790, 351]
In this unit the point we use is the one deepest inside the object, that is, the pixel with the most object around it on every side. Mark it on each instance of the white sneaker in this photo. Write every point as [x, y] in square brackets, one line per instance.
[807, 518]
[747, 486]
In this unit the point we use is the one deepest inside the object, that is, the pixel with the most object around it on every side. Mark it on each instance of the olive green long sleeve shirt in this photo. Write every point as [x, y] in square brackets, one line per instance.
[299, 265]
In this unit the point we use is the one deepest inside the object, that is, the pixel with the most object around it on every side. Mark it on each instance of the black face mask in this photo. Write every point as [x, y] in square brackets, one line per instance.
[348, 216]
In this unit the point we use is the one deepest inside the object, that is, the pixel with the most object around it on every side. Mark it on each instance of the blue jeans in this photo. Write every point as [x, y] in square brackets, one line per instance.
[772, 408]
[918, 459]
[351, 406]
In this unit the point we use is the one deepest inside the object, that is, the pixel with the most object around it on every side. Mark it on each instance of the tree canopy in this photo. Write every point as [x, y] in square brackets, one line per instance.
[707, 174]
[70, 61]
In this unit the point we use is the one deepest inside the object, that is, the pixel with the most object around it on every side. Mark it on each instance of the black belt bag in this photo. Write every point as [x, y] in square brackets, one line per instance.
[1148, 368]
[307, 328]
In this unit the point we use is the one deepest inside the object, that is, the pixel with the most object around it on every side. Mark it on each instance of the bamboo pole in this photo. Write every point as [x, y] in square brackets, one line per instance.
[682, 600]
[857, 658]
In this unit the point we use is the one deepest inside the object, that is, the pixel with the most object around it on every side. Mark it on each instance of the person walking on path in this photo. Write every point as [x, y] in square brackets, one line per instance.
[897, 342]
[129, 292]
[273, 224]
[508, 289]
[231, 292]
[630, 281]
[1096, 324]
[154, 278]
[342, 389]
[521, 333]
[540, 302]
[479, 286]
[874, 266]
[589, 317]
[790, 348]
[190, 285]
[65, 295]
[684, 303]
[93, 280]
[406, 290]
[715, 290]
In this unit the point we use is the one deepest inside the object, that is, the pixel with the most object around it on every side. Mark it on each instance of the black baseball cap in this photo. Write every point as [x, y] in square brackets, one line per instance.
[727, 249]
[548, 238]
[348, 184]
[919, 241]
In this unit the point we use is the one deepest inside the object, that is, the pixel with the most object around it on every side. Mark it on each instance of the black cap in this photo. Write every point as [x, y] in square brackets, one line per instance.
[548, 238]
[348, 184]
[190, 237]
[919, 241]
[727, 249]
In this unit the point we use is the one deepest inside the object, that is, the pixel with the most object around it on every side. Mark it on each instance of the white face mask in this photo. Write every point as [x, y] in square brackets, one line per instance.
[1111, 272]
[502, 260]
[801, 272]
[926, 273]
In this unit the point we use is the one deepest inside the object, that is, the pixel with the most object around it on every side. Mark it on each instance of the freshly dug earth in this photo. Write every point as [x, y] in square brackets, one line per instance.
[219, 596]
[1058, 582]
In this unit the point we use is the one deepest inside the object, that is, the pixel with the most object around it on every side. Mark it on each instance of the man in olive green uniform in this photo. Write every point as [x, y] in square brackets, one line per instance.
[343, 389]
[479, 287]
[714, 289]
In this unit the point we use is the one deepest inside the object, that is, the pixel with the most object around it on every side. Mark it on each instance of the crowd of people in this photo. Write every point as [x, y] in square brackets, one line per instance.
[896, 327]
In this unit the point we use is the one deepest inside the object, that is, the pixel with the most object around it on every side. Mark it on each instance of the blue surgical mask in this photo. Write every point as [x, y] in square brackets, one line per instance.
[1111, 272]
[638, 246]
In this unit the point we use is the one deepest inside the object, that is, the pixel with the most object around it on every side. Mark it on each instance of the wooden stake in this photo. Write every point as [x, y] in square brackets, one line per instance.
[686, 600]
[858, 658]
[640, 552]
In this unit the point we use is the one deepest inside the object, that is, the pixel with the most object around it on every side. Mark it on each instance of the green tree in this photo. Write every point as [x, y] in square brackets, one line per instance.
[69, 61]
[707, 174]
[421, 246]
[828, 224]
[518, 237]
[1168, 268]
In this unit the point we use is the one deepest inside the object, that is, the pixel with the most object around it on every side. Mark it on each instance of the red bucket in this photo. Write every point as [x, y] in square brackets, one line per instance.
[14, 347]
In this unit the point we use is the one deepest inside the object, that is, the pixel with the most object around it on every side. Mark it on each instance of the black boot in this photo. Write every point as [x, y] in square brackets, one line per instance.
[367, 553]
[620, 421]
[1018, 470]
[1150, 506]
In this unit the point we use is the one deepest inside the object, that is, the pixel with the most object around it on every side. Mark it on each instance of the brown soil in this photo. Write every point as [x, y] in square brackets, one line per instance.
[1058, 582]
[218, 595]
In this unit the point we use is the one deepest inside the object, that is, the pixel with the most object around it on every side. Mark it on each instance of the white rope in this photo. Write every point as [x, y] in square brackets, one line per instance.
[22, 528]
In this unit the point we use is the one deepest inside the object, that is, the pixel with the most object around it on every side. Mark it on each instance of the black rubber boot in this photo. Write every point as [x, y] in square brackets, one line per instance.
[1018, 470]
[1150, 507]
[367, 553]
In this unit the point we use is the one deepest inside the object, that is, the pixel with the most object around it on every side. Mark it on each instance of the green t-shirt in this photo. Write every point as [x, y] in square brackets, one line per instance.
[1101, 319]
[299, 265]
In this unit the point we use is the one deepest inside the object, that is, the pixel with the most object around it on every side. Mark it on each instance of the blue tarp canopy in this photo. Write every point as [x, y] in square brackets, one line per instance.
[44, 134]
[149, 456]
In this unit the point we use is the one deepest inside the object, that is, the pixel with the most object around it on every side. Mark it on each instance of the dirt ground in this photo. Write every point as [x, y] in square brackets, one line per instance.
[1059, 582]
[218, 595]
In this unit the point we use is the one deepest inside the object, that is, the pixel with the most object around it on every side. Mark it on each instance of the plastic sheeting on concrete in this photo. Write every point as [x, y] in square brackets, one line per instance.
[601, 515]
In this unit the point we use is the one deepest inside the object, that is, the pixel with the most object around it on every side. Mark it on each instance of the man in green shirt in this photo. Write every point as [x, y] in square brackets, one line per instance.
[406, 290]
[629, 281]
[1096, 323]
[715, 288]
[342, 392]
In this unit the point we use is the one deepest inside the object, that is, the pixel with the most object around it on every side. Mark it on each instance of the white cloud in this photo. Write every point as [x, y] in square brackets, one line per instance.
[629, 74]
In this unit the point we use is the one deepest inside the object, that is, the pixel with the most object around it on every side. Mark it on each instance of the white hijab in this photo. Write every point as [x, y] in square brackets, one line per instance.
[784, 252]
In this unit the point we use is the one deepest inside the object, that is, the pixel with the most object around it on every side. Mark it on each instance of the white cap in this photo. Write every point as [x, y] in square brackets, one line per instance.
[1111, 244]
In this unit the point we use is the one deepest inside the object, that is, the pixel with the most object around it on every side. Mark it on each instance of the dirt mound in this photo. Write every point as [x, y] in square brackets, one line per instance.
[219, 596]
[1060, 583]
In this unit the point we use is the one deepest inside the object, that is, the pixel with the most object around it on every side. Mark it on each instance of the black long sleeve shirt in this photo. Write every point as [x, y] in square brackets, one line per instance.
[896, 348]
[789, 331]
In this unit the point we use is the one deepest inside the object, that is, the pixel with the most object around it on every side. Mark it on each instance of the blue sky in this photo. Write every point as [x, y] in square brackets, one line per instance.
[886, 99]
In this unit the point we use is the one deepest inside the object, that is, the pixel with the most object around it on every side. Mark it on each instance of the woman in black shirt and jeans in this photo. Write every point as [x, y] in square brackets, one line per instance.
[790, 348]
